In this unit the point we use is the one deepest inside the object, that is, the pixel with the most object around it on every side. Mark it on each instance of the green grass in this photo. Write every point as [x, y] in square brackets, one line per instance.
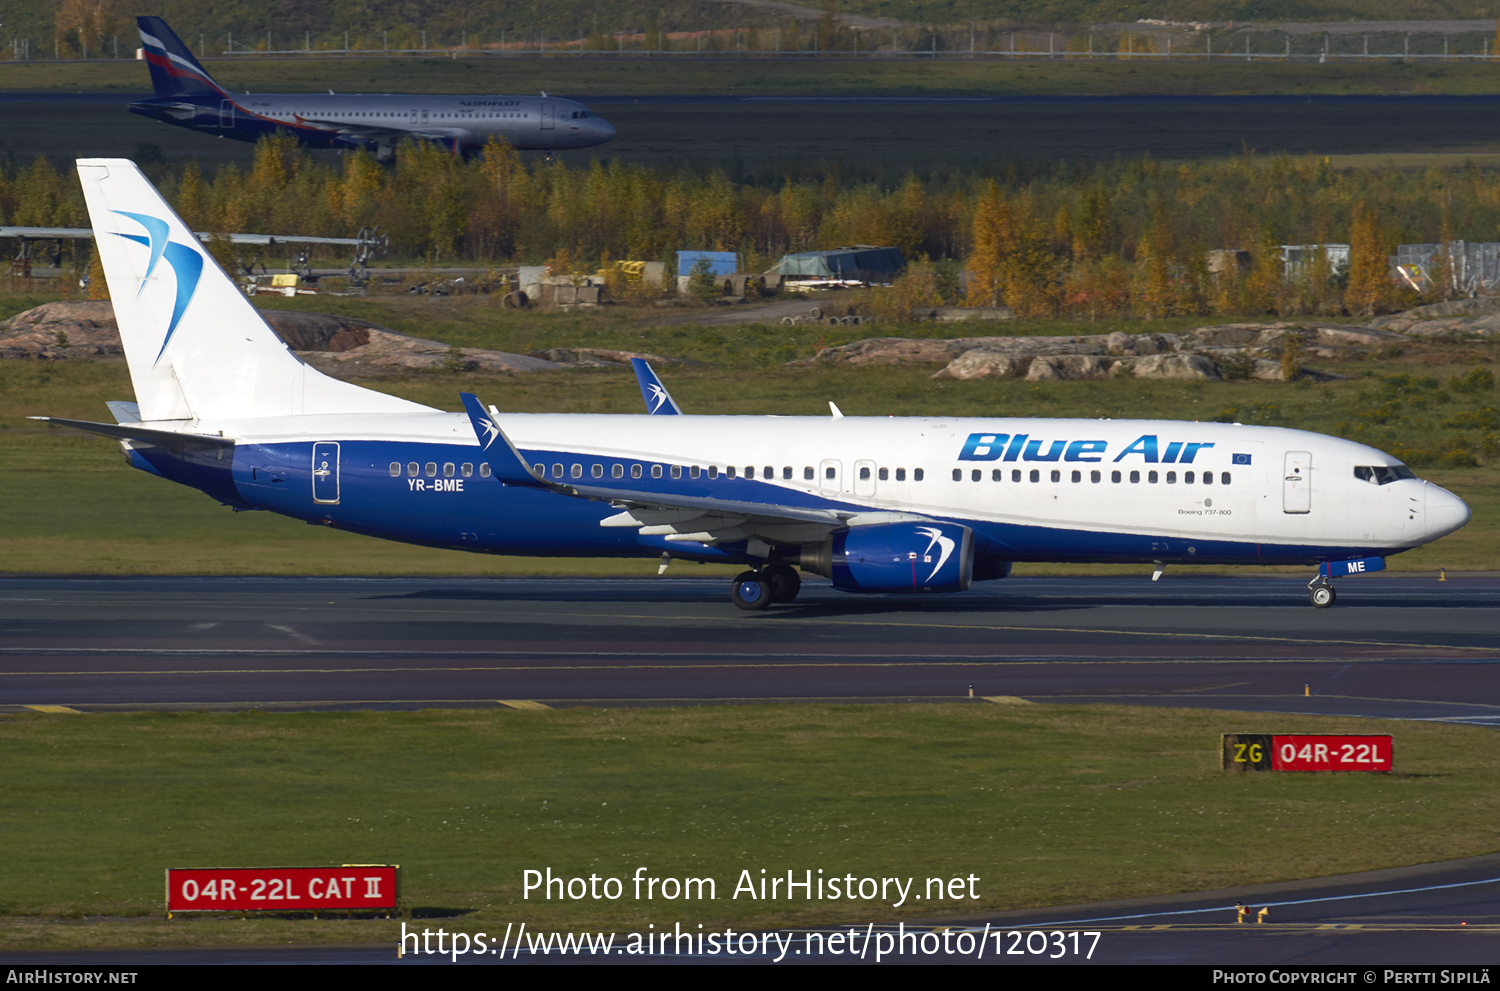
[728, 77]
[1045, 804]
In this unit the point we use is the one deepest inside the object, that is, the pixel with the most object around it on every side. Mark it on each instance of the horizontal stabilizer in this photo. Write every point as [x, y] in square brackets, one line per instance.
[134, 431]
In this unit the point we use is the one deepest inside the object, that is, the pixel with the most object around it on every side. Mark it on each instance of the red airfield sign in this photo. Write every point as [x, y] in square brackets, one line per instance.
[283, 889]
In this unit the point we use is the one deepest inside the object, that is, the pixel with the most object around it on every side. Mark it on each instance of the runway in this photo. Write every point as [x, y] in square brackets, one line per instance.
[1393, 647]
[1407, 647]
[892, 133]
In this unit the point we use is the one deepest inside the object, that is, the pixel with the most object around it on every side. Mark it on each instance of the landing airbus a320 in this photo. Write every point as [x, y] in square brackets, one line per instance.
[873, 504]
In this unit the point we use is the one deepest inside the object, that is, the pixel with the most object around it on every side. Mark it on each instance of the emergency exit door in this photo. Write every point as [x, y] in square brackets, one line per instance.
[1296, 483]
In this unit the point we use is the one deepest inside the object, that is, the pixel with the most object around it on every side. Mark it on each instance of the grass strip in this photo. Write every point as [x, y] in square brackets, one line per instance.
[1044, 804]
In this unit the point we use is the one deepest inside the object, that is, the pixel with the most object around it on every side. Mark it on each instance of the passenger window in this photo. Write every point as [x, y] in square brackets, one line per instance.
[1077, 476]
[1015, 474]
[1135, 478]
[448, 470]
[635, 471]
[713, 471]
[597, 471]
[1187, 478]
[958, 474]
[864, 474]
[656, 471]
[412, 469]
[1171, 478]
[786, 473]
[1056, 475]
[618, 471]
[885, 474]
[1208, 478]
[728, 472]
[976, 475]
[541, 470]
[1223, 478]
[557, 471]
[484, 470]
[1151, 477]
[467, 469]
[1096, 477]
[1114, 476]
[807, 474]
[578, 471]
[828, 473]
[916, 474]
[750, 472]
[1036, 476]
[677, 471]
[432, 469]
[997, 475]
[770, 473]
[900, 474]
[694, 472]
[395, 468]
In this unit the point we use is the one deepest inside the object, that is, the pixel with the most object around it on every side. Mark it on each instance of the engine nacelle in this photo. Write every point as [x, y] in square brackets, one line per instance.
[895, 557]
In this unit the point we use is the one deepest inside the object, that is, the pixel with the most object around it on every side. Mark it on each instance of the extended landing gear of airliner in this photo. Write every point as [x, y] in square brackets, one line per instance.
[758, 589]
[1320, 593]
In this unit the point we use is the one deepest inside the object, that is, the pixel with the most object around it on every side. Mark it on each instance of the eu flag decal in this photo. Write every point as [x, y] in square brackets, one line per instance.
[1241, 459]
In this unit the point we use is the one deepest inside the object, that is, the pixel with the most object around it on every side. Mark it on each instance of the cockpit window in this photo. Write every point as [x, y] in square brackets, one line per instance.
[1382, 474]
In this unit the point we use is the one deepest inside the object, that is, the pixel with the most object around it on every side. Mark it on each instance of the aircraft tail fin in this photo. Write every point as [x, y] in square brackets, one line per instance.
[659, 401]
[174, 71]
[195, 345]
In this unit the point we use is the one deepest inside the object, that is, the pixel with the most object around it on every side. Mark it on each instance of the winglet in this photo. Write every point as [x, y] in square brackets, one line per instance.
[506, 463]
[659, 401]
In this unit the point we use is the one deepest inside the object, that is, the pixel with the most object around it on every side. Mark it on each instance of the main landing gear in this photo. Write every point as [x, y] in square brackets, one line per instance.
[1320, 593]
[754, 590]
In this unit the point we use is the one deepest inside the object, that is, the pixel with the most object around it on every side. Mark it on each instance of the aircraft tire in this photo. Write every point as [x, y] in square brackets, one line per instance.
[1322, 596]
[784, 581]
[751, 591]
[816, 312]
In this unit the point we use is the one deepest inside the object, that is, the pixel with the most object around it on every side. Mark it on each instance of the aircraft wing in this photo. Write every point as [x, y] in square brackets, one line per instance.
[697, 519]
[376, 132]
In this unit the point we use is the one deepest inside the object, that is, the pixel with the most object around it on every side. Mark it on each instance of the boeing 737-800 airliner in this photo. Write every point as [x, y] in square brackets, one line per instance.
[910, 504]
[186, 95]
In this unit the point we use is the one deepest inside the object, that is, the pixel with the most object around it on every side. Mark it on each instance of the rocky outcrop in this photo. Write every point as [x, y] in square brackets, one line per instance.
[345, 347]
[81, 329]
[605, 358]
[387, 352]
[1478, 317]
[1205, 353]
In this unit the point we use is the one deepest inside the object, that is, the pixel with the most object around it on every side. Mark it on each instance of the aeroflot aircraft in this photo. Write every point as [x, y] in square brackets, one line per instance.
[913, 504]
[186, 95]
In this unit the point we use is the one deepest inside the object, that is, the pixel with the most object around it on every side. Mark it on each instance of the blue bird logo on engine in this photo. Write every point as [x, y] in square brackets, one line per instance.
[186, 263]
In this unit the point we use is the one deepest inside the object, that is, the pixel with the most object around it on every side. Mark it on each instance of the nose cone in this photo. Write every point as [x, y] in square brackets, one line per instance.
[1446, 512]
[602, 129]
